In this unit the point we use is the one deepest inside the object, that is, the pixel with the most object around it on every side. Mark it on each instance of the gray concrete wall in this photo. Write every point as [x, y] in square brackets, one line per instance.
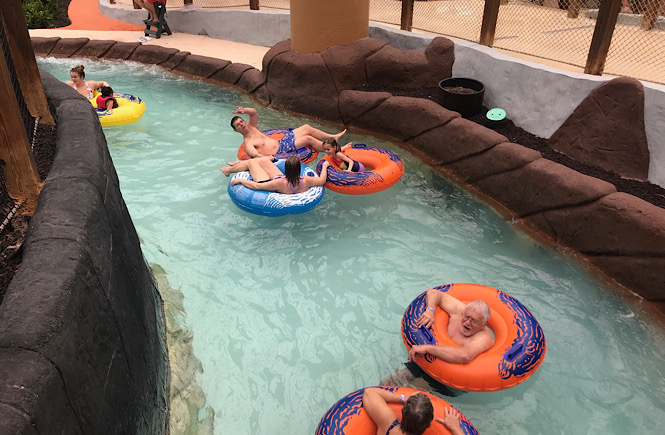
[536, 97]
[82, 339]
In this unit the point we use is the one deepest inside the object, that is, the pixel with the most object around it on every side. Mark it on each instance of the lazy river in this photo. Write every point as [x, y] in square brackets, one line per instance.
[290, 314]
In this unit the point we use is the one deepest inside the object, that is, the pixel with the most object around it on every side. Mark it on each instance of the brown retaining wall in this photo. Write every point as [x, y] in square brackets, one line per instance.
[621, 235]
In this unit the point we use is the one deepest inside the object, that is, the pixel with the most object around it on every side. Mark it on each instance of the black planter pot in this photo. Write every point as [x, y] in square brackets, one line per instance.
[467, 104]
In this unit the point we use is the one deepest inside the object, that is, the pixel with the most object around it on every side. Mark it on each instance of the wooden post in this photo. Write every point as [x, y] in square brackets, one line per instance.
[20, 47]
[21, 174]
[602, 36]
[574, 7]
[488, 28]
[407, 15]
[650, 14]
[319, 24]
[254, 5]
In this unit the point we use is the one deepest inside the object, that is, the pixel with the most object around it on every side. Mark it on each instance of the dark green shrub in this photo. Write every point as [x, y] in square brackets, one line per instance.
[41, 13]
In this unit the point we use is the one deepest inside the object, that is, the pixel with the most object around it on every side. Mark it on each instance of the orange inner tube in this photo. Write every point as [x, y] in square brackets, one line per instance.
[380, 172]
[483, 373]
[355, 421]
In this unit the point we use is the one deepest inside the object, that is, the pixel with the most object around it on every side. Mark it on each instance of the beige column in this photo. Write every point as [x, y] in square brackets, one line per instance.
[319, 24]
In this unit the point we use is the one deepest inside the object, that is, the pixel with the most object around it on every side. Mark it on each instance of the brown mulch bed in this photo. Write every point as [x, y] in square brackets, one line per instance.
[642, 189]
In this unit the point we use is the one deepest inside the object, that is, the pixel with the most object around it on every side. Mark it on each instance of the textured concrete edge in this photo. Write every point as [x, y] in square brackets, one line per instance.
[82, 325]
[481, 141]
[536, 97]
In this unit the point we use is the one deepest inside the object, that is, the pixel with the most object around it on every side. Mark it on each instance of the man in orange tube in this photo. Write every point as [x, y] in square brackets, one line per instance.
[258, 144]
[467, 327]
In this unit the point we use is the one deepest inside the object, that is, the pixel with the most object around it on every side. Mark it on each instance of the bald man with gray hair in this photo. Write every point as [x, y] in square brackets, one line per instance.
[467, 327]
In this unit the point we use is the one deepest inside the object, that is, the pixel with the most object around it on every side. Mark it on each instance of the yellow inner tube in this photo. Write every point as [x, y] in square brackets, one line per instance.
[130, 109]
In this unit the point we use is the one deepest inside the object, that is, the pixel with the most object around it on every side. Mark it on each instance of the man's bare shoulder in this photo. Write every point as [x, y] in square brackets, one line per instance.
[483, 338]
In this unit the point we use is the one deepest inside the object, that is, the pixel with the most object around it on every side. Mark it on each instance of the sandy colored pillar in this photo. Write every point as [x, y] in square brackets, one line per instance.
[319, 24]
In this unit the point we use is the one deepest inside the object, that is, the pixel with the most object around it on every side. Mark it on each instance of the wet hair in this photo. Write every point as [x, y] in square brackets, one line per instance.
[106, 91]
[234, 120]
[78, 69]
[483, 308]
[332, 142]
[417, 414]
[292, 170]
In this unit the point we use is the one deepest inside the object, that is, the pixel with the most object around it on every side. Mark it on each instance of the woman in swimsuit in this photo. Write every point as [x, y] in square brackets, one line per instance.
[267, 176]
[417, 413]
[78, 82]
[345, 163]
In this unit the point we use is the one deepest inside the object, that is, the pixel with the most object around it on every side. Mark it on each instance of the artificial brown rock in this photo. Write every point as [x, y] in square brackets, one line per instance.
[391, 66]
[643, 274]
[501, 158]
[201, 66]
[404, 117]
[456, 140]
[440, 55]
[231, 74]
[43, 46]
[346, 63]
[152, 54]
[68, 46]
[275, 50]
[302, 83]
[617, 224]
[122, 50]
[607, 130]
[251, 80]
[262, 94]
[95, 48]
[543, 185]
[353, 104]
[174, 60]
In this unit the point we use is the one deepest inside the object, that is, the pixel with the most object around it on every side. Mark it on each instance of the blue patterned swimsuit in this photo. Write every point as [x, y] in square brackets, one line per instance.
[287, 144]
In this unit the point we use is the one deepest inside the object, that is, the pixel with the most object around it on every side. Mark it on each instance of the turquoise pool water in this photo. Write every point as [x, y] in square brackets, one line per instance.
[290, 314]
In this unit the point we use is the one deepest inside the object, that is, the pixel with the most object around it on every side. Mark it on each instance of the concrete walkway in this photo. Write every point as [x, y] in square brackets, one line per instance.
[88, 22]
[195, 44]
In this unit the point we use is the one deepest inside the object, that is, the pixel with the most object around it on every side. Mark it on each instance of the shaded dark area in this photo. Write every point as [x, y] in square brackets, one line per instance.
[13, 232]
[649, 192]
[63, 20]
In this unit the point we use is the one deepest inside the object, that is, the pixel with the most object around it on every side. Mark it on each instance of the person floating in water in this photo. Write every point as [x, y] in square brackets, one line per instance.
[332, 148]
[105, 101]
[267, 176]
[467, 327]
[258, 144]
[83, 87]
[417, 413]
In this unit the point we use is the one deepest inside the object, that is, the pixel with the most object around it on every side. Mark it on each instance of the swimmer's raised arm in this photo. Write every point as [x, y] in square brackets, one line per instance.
[253, 115]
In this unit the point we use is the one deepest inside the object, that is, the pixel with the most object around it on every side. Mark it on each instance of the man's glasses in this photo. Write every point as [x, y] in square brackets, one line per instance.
[467, 318]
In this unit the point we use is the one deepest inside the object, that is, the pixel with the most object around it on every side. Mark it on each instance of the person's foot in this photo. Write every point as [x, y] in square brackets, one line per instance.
[339, 135]
[226, 170]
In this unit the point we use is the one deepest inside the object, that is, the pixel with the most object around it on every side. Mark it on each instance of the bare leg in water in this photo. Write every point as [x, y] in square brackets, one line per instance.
[306, 135]
[260, 169]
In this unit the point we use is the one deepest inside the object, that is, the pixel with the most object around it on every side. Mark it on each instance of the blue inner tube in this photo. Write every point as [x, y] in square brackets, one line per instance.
[266, 203]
